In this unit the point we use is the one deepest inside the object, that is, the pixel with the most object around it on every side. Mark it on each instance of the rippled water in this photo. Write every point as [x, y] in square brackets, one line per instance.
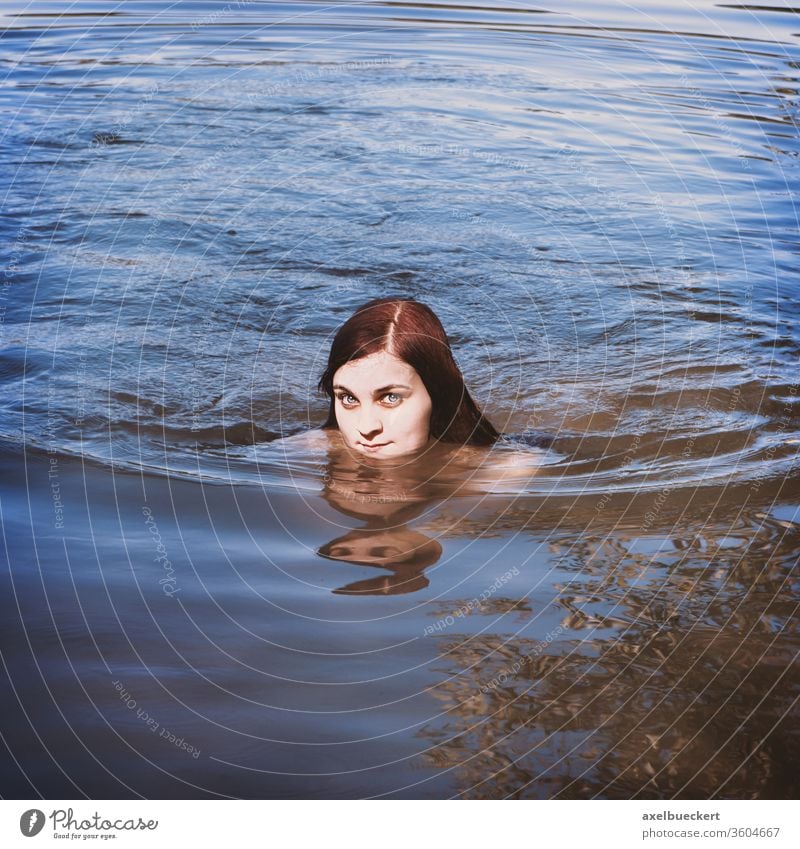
[599, 201]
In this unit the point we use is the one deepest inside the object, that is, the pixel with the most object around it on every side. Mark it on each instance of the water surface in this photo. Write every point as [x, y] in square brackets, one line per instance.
[600, 203]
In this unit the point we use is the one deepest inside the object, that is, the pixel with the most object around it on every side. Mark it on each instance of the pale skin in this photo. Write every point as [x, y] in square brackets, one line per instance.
[382, 406]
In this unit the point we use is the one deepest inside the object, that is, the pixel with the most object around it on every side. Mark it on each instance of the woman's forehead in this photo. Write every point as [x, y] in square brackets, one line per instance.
[375, 370]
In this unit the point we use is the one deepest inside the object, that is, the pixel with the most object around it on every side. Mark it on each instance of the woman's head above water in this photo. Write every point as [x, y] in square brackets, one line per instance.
[394, 386]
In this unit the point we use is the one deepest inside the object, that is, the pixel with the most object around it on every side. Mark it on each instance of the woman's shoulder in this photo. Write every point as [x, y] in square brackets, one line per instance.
[504, 458]
[318, 439]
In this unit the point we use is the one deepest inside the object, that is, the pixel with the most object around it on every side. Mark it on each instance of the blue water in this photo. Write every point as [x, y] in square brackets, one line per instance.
[599, 201]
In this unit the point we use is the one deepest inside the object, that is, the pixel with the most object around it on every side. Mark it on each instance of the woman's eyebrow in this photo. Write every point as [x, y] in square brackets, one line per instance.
[377, 391]
[391, 386]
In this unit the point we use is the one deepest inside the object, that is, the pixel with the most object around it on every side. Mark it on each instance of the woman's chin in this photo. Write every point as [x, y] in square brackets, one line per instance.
[380, 449]
[385, 451]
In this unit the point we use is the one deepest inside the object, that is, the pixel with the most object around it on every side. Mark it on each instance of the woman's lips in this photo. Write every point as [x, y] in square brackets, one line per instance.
[374, 446]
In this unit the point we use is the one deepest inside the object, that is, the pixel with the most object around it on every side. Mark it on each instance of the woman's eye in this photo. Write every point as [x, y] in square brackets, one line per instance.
[392, 398]
[348, 400]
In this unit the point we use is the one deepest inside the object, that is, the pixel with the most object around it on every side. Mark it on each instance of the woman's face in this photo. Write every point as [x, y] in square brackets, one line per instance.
[382, 406]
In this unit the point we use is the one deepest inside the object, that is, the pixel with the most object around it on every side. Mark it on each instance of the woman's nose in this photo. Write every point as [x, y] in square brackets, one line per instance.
[369, 423]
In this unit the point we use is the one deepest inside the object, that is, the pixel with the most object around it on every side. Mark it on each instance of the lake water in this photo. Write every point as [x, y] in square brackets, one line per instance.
[599, 201]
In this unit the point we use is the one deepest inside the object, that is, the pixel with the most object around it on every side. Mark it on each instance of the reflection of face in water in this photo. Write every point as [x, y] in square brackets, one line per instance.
[404, 552]
[379, 489]
[389, 494]
[386, 496]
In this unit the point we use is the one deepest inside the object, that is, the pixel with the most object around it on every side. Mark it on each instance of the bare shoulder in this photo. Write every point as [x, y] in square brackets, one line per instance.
[310, 440]
[499, 461]
[505, 457]
[487, 467]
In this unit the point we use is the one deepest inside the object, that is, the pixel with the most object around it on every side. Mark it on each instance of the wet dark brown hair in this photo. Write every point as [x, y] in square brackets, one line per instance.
[411, 331]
